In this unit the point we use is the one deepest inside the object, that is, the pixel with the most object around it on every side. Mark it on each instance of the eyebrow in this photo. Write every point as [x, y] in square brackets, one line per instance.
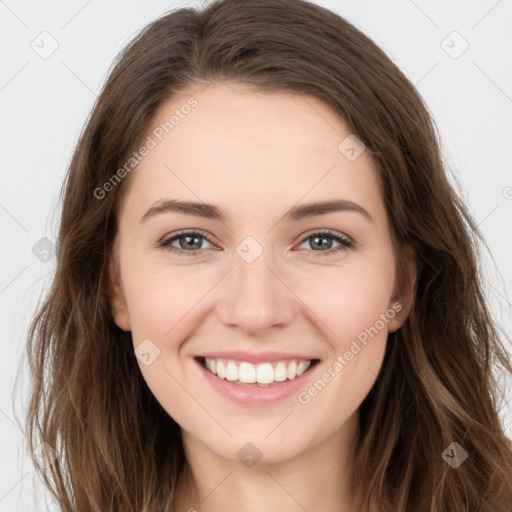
[212, 212]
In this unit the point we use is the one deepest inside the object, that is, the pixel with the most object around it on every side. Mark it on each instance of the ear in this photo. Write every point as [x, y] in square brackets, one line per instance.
[405, 289]
[116, 296]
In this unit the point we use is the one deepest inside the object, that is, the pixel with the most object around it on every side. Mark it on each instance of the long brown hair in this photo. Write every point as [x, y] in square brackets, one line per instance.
[118, 449]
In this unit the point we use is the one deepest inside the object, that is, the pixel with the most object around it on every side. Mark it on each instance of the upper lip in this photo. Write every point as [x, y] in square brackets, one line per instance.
[255, 358]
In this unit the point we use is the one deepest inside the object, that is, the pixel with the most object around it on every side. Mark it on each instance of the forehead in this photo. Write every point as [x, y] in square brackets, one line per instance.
[231, 143]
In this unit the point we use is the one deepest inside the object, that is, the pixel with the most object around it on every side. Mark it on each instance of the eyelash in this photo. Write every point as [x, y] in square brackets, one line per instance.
[345, 243]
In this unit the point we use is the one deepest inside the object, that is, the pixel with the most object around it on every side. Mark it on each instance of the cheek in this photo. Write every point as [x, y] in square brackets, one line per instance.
[158, 296]
[348, 299]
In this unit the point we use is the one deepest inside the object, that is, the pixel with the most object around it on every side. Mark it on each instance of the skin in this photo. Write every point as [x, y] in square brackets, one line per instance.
[256, 155]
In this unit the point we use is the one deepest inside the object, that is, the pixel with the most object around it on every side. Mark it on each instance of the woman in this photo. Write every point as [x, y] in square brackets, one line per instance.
[204, 345]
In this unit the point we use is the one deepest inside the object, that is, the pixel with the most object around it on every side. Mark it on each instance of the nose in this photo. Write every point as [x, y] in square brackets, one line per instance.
[255, 298]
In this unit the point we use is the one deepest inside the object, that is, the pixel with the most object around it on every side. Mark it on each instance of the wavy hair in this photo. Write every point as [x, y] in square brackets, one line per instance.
[119, 450]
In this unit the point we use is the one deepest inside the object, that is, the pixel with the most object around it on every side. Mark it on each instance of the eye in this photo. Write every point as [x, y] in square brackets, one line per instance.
[188, 242]
[319, 238]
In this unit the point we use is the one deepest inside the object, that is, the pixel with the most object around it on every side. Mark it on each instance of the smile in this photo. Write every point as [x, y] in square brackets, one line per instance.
[268, 380]
[263, 374]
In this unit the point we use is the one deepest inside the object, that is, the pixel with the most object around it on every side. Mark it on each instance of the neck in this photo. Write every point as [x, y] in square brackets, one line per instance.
[315, 479]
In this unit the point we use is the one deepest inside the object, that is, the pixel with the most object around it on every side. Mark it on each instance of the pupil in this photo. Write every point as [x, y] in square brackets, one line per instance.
[188, 238]
[316, 238]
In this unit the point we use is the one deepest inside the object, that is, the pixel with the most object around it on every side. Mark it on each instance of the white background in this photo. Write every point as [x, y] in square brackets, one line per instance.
[44, 104]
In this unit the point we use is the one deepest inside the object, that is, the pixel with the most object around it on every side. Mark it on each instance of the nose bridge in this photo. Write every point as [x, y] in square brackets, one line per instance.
[256, 298]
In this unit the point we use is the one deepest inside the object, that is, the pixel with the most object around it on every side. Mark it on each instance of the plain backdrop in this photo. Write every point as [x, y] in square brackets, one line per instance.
[54, 58]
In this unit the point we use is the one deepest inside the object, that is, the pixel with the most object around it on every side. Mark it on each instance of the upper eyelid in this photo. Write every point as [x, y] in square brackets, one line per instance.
[200, 232]
[326, 231]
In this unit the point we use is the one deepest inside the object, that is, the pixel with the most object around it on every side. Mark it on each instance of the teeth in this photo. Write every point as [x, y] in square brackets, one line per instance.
[291, 371]
[264, 373]
[302, 367]
[247, 373]
[280, 372]
[221, 370]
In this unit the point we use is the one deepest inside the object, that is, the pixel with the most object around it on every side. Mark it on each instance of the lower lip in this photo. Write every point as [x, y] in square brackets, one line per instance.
[249, 395]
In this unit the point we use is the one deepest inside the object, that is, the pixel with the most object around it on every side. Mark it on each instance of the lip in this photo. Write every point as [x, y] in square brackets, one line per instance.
[262, 357]
[255, 395]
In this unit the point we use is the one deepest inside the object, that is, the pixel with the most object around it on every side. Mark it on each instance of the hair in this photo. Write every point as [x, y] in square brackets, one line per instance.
[119, 450]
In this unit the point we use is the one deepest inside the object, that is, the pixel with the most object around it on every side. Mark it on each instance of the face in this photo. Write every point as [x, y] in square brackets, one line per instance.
[257, 282]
